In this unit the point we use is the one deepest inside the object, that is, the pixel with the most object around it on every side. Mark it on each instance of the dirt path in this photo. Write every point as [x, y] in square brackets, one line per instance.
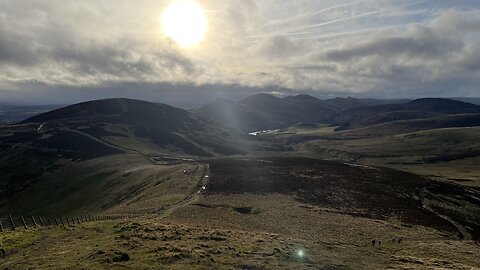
[464, 234]
[193, 196]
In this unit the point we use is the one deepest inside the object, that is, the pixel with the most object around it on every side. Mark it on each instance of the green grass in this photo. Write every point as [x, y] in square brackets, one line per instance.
[122, 183]
[14, 240]
[229, 240]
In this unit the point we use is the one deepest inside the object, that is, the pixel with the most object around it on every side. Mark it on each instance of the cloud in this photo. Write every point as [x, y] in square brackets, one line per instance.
[378, 48]
[277, 47]
[418, 42]
[14, 50]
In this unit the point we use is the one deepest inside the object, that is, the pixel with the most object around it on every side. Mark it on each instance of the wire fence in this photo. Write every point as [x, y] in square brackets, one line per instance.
[19, 222]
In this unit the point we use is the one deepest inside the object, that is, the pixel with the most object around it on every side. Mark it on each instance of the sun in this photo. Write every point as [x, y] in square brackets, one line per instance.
[185, 22]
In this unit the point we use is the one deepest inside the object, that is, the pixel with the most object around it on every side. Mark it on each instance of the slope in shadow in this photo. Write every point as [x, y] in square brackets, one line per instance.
[371, 192]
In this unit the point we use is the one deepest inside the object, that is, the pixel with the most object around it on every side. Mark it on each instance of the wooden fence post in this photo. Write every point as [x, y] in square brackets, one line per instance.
[68, 222]
[56, 221]
[73, 221]
[41, 221]
[24, 223]
[49, 222]
[34, 222]
[1, 226]
[78, 221]
[11, 222]
[63, 224]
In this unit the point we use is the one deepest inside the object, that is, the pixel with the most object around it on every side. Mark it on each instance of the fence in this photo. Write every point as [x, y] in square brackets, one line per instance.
[12, 223]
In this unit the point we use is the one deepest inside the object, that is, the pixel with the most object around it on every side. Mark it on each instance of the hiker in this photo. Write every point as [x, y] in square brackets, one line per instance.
[373, 242]
[379, 243]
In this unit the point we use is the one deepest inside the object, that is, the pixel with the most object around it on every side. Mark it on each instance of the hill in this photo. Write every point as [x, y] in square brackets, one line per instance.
[43, 146]
[264, 111]
[416, 109]
[158, 127]
[403, 122]
[348, 103]
[235, 115]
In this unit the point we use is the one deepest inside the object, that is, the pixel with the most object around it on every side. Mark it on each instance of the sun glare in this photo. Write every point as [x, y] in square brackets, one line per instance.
[184, 21]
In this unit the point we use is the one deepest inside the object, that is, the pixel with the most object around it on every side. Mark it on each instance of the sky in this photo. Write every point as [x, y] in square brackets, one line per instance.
[59, 52]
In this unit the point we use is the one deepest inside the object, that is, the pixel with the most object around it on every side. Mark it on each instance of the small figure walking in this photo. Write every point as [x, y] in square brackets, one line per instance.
[379, 243]
[373, 242]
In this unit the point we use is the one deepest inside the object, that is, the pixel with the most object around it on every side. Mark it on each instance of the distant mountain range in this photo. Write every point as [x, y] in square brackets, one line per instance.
[264, 111]
[10, 114]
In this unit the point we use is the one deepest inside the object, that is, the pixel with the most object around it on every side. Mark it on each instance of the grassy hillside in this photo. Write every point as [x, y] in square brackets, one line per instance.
[394, 127]
[365, 191]
[167, 129]
[446, 154]
[393, 116]
[120, 183]
[272, 213]
[39, 155]
[412, 110]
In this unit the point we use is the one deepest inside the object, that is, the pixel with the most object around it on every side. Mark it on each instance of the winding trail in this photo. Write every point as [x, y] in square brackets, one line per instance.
[464, 234]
